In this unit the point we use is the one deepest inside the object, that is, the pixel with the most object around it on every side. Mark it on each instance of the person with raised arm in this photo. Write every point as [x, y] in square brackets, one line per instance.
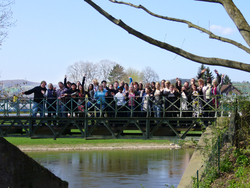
[39, 96]
[67, 84]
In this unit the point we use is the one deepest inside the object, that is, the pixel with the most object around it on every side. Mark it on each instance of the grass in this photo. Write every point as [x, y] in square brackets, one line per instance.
[80, 141]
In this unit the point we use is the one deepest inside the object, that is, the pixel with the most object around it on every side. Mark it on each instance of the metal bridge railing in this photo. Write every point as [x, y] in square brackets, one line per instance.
[82, 107]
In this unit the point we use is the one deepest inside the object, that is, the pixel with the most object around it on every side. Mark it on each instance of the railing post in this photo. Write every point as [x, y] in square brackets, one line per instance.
[30, 108]
[86, 119]
[17, 107]
[218, 146]
[101, 108]
[131, 105]
[181, 100]
[115, 107]
[71, 107]
[147, 107]
[216, 106]
[197, 172]
[164, 107]
[198, 106]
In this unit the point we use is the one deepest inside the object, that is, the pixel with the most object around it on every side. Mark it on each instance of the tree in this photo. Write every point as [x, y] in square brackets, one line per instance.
[5, 17]
[226, 80]
[99, 71]
[117, 73]
[206, 74]
[104, 67]
[134, 74]
[149, 75]
[199, 71]
[229, 6]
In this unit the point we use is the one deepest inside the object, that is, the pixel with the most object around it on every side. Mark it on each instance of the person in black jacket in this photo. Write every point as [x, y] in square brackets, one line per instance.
[39, 96]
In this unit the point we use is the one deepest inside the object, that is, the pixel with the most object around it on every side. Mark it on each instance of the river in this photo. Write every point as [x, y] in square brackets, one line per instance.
[149, 168]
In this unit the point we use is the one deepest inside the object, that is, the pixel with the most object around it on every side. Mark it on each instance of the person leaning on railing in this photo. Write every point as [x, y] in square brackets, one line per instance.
[120, 102]
[70, 96]
[216, 91]
[101, 102]
[51, 100]
[109, 97]
[157, 98]
[172, 96]
[61, 106]
[39, 96]
[131, 100]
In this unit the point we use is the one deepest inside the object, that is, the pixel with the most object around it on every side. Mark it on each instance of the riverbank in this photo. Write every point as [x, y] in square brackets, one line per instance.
[27, 144]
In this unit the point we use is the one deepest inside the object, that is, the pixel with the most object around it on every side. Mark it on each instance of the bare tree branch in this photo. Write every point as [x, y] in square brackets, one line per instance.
[190, 25]
[5, 17]
[238, 19]
[211, 1]
[236, 16]
[166, 46]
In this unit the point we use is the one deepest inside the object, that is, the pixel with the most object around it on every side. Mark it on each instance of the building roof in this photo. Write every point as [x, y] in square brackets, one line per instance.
[227, 89]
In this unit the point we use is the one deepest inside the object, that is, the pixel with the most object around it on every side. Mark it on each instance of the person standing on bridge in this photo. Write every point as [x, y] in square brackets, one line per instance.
[39, 96]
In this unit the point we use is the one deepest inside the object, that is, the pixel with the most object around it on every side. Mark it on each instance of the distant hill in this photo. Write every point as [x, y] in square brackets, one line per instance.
[13, 83]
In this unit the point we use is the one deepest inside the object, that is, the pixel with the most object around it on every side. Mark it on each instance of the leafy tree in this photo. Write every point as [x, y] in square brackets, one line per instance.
[229, 6]
[116, 73]
[202, 67]
[133, 73]
[226, 80]
[206, 74]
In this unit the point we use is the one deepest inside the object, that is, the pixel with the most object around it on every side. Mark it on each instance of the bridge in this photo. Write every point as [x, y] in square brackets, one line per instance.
[107, 120]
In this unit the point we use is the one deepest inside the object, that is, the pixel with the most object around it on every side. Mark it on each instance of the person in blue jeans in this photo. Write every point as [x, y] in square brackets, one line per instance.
[100, 97]
[39, 96]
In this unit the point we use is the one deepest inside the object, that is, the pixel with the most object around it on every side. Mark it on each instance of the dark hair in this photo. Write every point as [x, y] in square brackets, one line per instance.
[60, 83]
[68, 82]
[91, 86]
[73, 84]
[209, 80]
[140, 86]
[136, 83]
[149, 88]
[104, 81]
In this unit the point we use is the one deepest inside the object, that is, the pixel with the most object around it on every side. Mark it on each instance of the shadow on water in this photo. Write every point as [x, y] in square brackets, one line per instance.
[117, 168]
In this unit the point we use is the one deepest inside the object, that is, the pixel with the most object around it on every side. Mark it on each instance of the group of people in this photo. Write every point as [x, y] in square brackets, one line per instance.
[133, 99]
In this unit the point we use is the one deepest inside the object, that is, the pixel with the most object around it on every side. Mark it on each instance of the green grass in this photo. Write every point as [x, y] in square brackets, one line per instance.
[192, 132]
[77, 141]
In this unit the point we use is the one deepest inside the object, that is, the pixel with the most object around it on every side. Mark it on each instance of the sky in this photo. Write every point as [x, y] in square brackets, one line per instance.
[50, 35]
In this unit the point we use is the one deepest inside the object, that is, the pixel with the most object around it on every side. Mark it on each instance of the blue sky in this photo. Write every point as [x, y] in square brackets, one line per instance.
[50, 35]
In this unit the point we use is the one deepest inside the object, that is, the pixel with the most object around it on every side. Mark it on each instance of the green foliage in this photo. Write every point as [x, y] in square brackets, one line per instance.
[239, 172]
[226, 165]
[172, 186]
[134, 74]
[116, 74]
[226, 80]
[242, 160]
[207, 73]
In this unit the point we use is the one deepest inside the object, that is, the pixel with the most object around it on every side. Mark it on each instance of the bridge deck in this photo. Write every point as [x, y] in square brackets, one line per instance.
[89, 127]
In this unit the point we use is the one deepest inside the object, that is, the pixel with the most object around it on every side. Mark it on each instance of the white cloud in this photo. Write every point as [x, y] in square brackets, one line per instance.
[222, 30]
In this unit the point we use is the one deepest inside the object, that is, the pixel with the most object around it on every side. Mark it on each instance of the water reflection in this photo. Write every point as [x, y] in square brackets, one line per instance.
[117, 168]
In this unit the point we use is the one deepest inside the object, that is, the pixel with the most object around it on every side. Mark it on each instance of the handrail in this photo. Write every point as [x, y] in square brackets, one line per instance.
[74, 106]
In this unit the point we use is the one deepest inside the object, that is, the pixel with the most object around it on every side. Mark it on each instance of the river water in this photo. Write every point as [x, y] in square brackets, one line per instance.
[151, 168]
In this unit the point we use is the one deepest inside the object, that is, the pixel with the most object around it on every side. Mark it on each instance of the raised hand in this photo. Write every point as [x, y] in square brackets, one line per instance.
[204, 70]
[216, 72]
